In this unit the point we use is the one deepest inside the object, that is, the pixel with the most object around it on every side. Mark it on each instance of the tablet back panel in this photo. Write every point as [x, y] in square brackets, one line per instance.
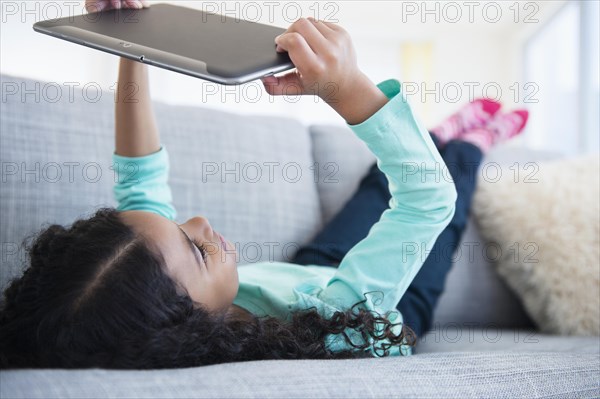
[191, 41]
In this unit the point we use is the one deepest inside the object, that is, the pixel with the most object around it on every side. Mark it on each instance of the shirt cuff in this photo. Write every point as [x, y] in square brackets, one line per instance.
[152, 158]
[381, 119]
[132, 170]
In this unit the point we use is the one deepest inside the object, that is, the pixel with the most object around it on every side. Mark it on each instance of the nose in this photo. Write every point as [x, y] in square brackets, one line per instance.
[201, 225]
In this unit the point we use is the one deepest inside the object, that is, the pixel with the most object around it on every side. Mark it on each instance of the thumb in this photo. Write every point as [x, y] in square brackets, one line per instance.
[288, 84]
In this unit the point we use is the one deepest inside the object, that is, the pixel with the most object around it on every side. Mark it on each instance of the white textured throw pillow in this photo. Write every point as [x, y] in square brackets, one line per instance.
[542, 228]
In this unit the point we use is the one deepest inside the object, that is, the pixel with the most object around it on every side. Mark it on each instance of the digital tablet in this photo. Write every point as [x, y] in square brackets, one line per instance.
[210, 46]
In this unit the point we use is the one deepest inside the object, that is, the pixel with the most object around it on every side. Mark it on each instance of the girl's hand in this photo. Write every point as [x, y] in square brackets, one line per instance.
[326, 66]
[101, 5]
[322, 53]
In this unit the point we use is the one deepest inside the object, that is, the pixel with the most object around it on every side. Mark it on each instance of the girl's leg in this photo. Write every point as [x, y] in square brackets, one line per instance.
[418, 303]
[463, 159]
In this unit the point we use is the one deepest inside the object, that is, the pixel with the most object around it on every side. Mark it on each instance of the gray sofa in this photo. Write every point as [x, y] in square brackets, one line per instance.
[268, 184]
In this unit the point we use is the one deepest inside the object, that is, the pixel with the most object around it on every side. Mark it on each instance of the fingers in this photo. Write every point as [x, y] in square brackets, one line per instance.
[310, 33]
[288, 84]
[96, 5]
[101, 5]
[134, 4]
[137, 4]
[325, 30]
[332, 26]
[301, 54]
[315, 48]
[142, 4]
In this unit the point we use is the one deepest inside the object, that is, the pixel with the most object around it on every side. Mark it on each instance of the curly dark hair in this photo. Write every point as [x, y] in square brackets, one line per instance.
[96, 295]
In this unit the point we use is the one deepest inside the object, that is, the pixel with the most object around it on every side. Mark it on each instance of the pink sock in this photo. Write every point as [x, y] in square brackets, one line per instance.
[473, 115]
[501, 128]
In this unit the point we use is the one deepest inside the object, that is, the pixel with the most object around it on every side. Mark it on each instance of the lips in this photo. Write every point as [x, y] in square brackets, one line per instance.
[222, 241]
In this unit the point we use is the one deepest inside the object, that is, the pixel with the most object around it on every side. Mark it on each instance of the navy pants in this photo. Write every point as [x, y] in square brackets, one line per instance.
[364, 209]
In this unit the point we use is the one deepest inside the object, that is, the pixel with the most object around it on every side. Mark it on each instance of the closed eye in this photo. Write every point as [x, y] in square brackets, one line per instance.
[199, 247]
[202, 250]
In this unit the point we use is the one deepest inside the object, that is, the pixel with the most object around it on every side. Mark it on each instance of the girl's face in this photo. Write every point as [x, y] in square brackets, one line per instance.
[209, 273]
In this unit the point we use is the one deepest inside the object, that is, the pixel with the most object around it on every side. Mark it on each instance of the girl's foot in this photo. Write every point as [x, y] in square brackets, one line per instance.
[474, 115]
[501, 128]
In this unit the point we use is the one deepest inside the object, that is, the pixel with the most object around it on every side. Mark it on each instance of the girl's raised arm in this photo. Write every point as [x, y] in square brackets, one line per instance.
[136, 133]
[142, 163]
[381, 266]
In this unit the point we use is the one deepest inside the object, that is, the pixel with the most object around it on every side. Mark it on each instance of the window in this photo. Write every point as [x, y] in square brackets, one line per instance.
[561, 60]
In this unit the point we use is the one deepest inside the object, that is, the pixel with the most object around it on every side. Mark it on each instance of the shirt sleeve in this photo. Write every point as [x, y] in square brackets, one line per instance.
[142, 183]
[381, 266]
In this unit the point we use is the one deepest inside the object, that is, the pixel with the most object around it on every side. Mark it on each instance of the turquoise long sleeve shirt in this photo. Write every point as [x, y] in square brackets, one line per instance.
[379, 268]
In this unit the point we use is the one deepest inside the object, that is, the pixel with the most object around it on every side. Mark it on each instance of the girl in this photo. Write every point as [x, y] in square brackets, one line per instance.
[130, 288]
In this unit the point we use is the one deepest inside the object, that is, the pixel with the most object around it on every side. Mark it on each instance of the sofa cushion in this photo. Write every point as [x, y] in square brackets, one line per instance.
[248, 175]
[445, 375]
[474, 295]
[460, 338]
